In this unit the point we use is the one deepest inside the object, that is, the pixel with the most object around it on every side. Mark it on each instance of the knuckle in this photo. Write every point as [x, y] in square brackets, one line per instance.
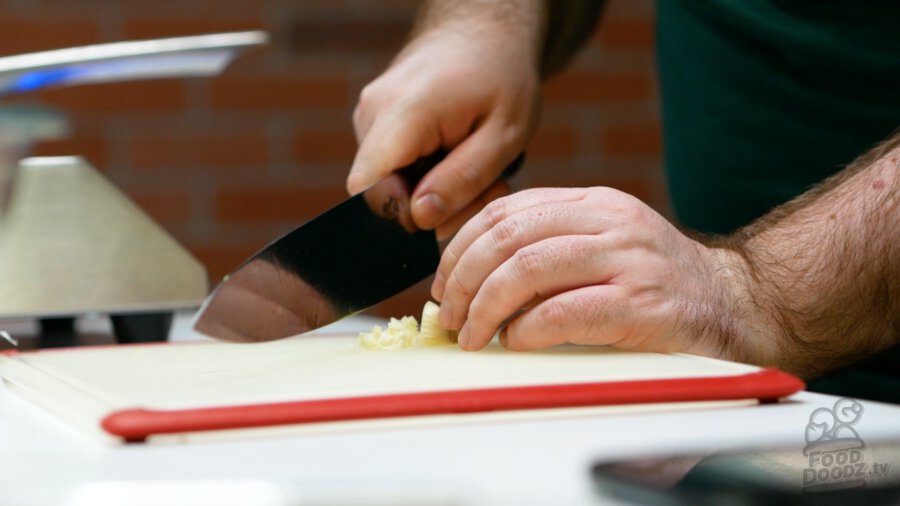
[467, 175]
[631, 210]
[366, 107]
[552, 315]
[528, 263]
[358, 115]
[623, 204]
[513, 135]
[358, 125]
[456, 285]
[497, 211]
[504, 234]
[366, 96]
[450, 258]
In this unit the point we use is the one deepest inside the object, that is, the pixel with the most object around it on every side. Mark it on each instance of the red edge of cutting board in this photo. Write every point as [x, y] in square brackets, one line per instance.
[135, 425]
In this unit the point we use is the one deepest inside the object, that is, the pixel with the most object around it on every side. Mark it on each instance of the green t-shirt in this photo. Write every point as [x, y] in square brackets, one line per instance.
[764, 98]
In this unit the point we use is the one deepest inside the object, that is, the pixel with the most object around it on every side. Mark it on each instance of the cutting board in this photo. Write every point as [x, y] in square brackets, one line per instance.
[135, 392]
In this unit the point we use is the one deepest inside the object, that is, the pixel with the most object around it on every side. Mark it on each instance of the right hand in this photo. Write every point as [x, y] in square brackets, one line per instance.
[470, 90]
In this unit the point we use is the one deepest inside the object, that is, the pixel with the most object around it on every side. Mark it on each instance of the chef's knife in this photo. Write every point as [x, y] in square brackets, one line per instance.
[352, 257]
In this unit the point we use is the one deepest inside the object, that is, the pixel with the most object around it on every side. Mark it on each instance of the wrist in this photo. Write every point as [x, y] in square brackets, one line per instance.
[743, 320]
[511, 26]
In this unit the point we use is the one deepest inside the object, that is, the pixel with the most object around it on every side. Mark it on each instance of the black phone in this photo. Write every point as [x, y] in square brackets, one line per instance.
[841, 471]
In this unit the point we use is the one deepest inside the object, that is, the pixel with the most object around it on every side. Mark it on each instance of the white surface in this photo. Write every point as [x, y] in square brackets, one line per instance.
[44, 461]
[326, 367]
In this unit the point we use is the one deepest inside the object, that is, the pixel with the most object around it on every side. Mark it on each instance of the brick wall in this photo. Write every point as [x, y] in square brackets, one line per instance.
[227, 164]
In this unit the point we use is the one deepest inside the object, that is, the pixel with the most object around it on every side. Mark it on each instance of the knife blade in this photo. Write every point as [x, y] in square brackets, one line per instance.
[353, 256]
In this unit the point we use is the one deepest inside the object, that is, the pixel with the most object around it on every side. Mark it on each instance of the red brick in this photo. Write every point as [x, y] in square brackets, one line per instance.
[629, 9]
[639, 188]
[278, 92]
[25, 35]
[92, 148]
[580, 88]
[553, 142]
[198, 23]
[631, 140]
[276, 204]
[220, 260]
[323, 147]
[199, 150]
[166, 208]
[626, 34]
[348, 35]
[164, 95]
[355, 9]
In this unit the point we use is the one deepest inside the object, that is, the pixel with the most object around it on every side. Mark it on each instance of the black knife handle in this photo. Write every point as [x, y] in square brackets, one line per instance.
[390, 197]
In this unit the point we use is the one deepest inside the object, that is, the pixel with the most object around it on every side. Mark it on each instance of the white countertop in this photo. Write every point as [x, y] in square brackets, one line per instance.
[45, 461]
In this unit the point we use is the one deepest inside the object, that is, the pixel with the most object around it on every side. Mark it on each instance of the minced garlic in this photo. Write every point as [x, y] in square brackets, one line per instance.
[404, 333]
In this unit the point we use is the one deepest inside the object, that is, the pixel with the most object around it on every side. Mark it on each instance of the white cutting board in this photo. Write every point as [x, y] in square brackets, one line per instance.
[84, 384]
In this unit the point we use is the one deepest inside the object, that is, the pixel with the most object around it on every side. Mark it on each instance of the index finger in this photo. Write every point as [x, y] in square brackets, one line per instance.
[464, 174]
[394, 140]
[490, 216]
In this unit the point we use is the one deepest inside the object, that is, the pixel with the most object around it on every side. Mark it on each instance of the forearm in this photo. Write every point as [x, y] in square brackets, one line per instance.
[552, 30]
[520, 24]
[823, 271]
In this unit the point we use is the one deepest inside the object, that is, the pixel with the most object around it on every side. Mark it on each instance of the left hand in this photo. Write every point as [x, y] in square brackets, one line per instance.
[589, 266]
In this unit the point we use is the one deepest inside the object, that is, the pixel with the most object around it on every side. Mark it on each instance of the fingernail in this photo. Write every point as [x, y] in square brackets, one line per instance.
[430, 209]
[463, 338]
[502, 338]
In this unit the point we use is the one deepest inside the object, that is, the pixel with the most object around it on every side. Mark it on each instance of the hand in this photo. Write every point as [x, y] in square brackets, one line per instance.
[469, 90]
[591, 266]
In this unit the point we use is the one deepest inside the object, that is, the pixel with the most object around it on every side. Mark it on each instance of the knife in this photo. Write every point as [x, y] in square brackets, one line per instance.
[349, 258]
[196, 55]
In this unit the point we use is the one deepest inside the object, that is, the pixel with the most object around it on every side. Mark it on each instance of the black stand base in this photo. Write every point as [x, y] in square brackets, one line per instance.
[127, 328]
[57, 332]
[142, 327]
